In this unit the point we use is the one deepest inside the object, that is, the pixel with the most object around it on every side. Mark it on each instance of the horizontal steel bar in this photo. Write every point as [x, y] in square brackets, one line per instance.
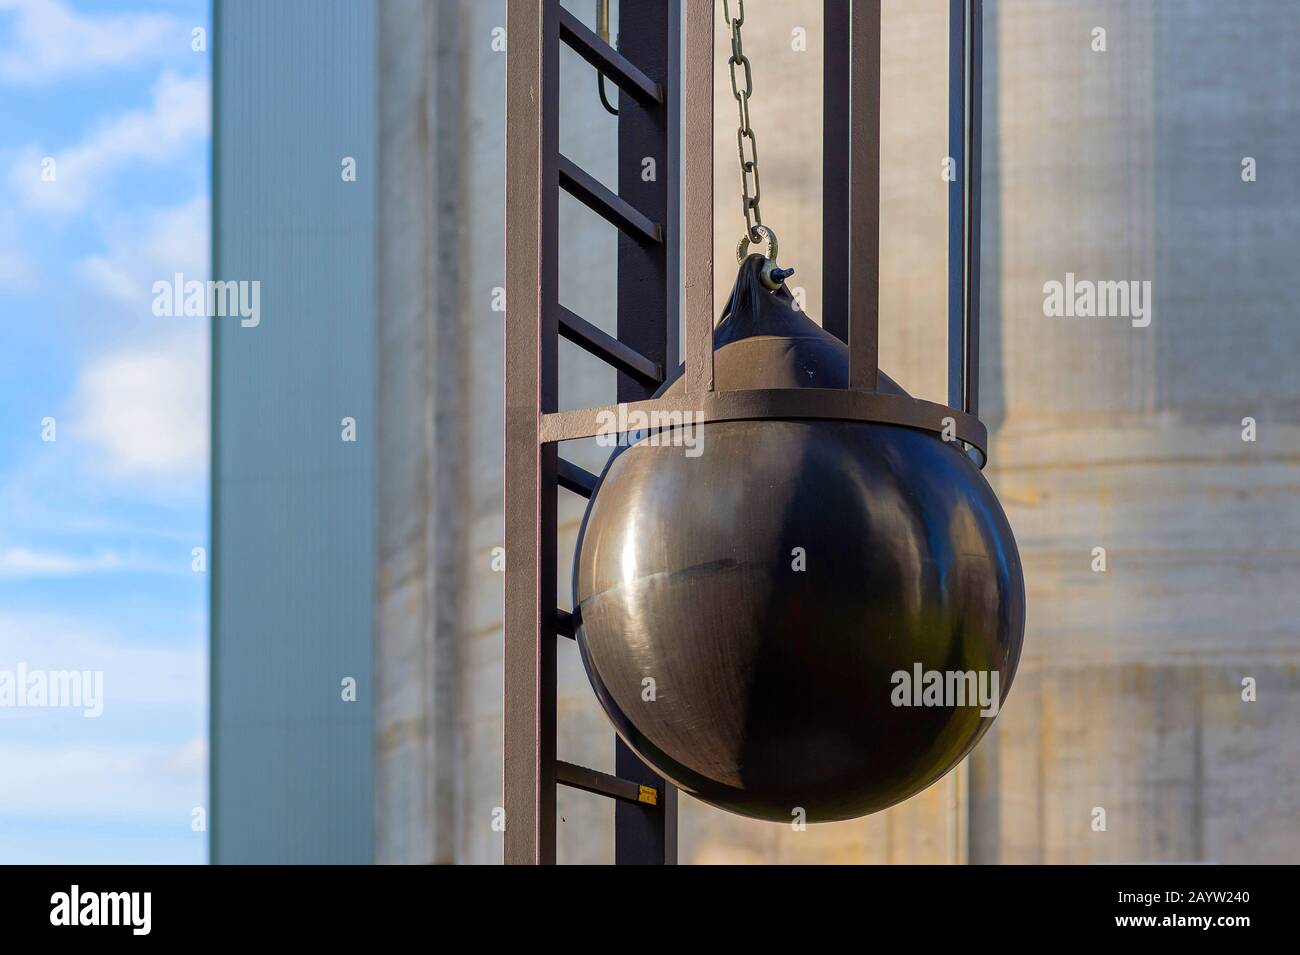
[603, 784]
[608, 60]
[835, 404]
[609, 349]
[573, 478]
[564, 624]
[578, 183]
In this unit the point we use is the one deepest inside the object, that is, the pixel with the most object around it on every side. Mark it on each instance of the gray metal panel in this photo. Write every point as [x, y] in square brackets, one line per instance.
[292, 503]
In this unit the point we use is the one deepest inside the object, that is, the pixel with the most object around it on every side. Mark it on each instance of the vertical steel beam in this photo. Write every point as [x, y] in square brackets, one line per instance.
[648, 318]
[864, 195]
[673, 184]
[647, 308]
[975, 87]
[965, 92]
[531, 347]
[835, 169]
[644, 835]
[697, 194]
[957, 203]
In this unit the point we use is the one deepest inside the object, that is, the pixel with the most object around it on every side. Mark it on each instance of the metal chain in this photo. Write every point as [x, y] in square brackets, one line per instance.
[754, 228]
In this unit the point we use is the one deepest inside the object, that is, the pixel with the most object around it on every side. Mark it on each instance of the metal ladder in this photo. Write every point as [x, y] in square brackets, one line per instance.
[647, 216]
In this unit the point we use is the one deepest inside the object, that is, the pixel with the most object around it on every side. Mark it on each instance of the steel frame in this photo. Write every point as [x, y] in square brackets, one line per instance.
[664, 65]
[648, 217]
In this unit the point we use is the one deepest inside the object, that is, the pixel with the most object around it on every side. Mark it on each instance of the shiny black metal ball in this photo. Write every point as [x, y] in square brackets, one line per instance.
[744, 614]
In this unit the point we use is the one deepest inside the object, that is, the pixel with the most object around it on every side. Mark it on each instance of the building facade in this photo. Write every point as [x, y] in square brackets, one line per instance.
[293, 486]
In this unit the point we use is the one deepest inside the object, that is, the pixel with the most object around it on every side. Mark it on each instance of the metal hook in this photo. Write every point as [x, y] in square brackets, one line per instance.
[602, 31]
[757, 234]
[772, 276]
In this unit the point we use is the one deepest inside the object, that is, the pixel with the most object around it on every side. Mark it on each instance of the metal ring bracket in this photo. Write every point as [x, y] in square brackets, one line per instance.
[749, 239]
[761, 404]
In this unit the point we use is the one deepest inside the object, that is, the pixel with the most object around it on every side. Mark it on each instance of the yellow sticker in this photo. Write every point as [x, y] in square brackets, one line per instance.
[649, 795]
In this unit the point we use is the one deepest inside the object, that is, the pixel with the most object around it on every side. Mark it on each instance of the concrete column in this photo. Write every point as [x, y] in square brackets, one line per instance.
[1126, 164]
[420, 463]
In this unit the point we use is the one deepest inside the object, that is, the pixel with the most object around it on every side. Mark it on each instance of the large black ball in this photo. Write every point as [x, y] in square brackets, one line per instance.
[744, 614]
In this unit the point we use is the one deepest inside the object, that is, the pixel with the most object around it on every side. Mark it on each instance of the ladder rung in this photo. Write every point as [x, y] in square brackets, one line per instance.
[564, 624]
[608, 60]
[603, 784]
[579, 184]
[573, 478]
[609, 349]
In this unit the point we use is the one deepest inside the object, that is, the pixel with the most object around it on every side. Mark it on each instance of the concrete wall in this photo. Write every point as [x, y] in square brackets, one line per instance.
[421, 375]
[1116, 165]
[1127, 164]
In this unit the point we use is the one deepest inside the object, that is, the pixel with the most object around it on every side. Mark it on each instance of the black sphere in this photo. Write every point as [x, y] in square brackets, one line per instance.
[744, 614]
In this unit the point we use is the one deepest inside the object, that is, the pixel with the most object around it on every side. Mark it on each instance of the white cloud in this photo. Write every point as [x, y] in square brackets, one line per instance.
[51, 40]
[173, 240]
[190, 757]
[101, 782]
[17, 271]
[177, 118]
[135, 673]
[23, 562]
[138, 408]
[146, 409]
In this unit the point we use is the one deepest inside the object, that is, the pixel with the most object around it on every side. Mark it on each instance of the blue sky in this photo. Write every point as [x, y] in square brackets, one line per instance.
[98, 526]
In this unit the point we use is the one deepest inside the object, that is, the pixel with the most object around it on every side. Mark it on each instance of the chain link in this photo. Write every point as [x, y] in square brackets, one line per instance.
[749, 185]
